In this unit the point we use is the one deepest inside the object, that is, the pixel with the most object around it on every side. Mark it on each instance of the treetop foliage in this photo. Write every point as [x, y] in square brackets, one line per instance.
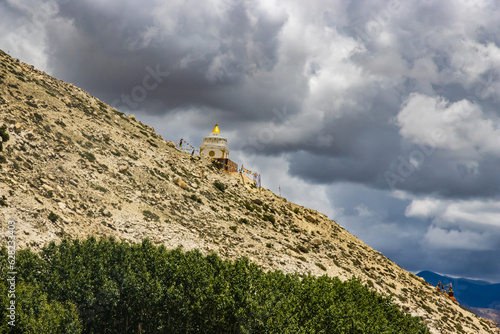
[104, 286]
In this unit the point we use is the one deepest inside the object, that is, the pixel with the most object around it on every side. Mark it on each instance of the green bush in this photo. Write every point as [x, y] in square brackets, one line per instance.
[269, 218]
[321, 266]
[89, 156]
[219, 185]
[5, 137]
[196, 198]
[152, 143]
[150, 216]
[142, 288]
[249, 206]
[303, 249]
[53, 217]
[100, 188]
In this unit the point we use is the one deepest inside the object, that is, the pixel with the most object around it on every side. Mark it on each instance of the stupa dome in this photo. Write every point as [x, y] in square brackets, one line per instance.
[215, 145]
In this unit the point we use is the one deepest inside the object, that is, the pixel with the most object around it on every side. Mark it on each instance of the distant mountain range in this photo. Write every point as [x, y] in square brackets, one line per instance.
[480, 297]
[469, 293]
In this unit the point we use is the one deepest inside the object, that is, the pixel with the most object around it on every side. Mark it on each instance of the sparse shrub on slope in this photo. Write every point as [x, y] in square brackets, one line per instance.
[4, 135]
[219, 185]
[53, 217]
[142, 288]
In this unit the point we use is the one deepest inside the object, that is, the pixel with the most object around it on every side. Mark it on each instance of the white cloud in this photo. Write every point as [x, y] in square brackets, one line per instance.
[364, 211]
[472, 213]
[460, 127]
[458, 224]
[438, 238]
[426, 207]
[471, 59]
[23, 35]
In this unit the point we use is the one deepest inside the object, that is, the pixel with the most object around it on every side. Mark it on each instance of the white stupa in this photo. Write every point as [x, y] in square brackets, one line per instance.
[215, 146]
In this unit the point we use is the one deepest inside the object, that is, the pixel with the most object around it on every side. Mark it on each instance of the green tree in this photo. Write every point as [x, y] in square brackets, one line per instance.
[35, 313]
[112, 287]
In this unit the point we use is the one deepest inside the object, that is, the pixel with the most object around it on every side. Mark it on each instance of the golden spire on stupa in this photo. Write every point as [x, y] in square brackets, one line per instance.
[216, 129]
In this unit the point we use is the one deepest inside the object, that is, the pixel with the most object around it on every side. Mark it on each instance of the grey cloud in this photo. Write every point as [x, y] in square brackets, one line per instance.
[211, 58]
[403, 238]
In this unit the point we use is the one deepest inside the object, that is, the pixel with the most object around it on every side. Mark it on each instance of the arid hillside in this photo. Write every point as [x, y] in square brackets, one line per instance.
[73, 167]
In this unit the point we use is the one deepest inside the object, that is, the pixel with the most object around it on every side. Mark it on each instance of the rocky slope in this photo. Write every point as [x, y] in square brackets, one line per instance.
[488, 313]
[75, 167]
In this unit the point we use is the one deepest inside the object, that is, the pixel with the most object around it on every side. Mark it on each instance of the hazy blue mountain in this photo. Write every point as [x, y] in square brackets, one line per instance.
[468, 292]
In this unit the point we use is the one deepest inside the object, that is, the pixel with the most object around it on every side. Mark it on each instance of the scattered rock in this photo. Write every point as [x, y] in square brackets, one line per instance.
[316, 242]
[47, 188]
[311, 219]
[123, 168]
[60, 190]
[17, 127]
[490, 323]
[171, 144]
[421, 279]
[30, 136]
[257, 201]
[178, 181]
[51, 177]
[64, 219]
[202, 172]
[131, 116]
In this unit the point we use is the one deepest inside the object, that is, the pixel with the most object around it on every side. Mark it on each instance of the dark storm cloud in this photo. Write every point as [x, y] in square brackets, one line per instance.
[389, 224]
[214, 56]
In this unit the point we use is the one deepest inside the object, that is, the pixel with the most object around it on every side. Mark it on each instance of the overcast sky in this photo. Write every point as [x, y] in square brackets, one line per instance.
[382, 114]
